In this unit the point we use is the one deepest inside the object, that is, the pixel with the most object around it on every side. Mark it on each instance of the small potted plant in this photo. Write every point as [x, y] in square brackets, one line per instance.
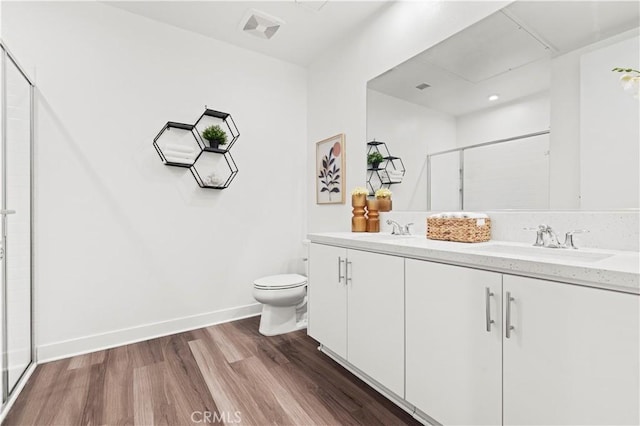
[375, 158]
[383, 195]
[215, 135]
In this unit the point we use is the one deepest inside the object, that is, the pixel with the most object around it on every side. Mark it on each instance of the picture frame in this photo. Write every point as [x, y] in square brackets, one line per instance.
[330, 170]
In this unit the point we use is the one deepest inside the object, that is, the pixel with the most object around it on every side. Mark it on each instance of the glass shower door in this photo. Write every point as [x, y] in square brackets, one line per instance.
[15, 186]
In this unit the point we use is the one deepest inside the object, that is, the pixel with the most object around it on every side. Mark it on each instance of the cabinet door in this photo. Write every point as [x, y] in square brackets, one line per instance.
[573, 355]
[454, 364]
[376, 317]
[327, 297]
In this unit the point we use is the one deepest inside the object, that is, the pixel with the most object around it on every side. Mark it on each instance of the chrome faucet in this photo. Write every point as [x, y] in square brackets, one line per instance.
[568, 237]
[546, 237]
[399, 229]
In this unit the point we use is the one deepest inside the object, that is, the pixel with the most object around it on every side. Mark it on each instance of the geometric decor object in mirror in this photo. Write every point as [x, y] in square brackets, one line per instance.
[389, 171]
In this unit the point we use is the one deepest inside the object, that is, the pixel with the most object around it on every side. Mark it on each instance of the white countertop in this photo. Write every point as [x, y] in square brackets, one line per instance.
[620, 270]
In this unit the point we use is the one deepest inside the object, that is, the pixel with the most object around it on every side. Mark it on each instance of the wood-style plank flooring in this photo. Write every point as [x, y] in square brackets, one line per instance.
[228, 373]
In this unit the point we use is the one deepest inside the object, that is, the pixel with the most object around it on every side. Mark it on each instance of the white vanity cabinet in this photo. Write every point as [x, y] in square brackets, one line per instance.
[454, 343]
[327, 297]
[572, 356]
[462, 345]
[356, 309]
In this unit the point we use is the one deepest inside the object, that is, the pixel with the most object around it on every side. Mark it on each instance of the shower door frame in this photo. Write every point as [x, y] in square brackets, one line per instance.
[461, 151]
[7, 392]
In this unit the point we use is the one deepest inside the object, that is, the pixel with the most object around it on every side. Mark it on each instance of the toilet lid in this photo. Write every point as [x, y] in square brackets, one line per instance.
[278, 282]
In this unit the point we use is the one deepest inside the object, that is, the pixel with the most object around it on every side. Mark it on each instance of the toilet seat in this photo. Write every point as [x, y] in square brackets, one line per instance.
[280, 282]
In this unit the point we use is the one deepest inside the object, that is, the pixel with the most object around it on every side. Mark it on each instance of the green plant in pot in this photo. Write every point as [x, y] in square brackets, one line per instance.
[215, 135]
[375, 158]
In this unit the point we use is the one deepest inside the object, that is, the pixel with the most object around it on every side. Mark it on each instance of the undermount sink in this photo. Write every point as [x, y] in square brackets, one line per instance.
[547, 253]
[380, 237]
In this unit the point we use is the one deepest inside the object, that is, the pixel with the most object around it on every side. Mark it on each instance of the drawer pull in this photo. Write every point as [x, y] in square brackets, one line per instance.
[487, 298]
[508, 327]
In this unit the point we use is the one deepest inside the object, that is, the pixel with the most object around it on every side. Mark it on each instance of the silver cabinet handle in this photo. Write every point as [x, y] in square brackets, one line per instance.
[6, 212]
[340, 262]
[487, 308]
[509, 327]
[346, 272]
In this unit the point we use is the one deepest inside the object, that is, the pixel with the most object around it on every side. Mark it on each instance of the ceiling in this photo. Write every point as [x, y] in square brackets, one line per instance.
[304, 35]
[508, 53]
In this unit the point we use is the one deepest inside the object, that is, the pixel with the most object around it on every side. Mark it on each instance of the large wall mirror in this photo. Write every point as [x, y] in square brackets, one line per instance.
[519, 111]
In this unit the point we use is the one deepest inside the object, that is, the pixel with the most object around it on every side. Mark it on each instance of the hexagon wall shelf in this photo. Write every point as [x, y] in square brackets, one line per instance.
[390, 171]
[214, 171]
[222, 119]
[182, 145]
[178, 144]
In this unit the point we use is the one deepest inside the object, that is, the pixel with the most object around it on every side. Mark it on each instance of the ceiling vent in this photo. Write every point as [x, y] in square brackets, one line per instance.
[422, 86]
[260, 24]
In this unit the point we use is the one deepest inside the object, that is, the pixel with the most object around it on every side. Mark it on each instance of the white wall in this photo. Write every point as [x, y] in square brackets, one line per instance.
[127, 247]
[410, 131]
[564, 169]
[609, 129]
[337, 83]
[520, 117]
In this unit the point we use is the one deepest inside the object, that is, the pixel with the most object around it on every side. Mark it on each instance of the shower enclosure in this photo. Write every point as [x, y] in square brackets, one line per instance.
[16, 165]
[510, 173]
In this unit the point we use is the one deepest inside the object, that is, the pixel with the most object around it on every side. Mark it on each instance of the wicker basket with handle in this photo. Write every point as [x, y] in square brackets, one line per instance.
[464, 230]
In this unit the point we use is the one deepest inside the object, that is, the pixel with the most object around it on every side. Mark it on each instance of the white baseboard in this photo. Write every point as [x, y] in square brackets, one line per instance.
[97, 342]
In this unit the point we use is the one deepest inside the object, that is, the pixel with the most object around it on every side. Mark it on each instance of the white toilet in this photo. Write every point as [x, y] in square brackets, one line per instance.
[284, 303]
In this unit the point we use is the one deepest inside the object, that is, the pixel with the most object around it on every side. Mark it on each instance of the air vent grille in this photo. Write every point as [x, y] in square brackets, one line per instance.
[260, 24]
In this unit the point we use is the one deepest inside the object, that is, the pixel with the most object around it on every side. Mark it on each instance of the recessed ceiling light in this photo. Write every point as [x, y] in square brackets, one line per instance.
[494, 97]
[422, 86]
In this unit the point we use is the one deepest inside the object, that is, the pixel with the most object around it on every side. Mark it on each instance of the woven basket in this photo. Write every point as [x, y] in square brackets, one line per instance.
[462, 230]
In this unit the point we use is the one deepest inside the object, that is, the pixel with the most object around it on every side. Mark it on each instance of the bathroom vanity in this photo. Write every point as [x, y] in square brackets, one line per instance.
[490, 333]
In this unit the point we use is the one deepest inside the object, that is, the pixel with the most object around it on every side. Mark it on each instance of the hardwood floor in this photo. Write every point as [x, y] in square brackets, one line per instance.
[228, 373]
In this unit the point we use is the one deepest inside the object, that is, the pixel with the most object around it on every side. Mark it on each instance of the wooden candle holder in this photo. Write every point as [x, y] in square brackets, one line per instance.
[358, 221]
[384, 204]
[373, 223]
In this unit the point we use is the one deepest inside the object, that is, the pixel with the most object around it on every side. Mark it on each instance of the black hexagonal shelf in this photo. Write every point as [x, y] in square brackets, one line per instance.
[389, 172]
[212, 117]
[178, 144]
[182, 145]
[213, 169]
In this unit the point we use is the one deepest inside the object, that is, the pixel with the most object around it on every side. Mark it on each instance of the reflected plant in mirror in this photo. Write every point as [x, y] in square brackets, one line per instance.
[630, 81]
[561, 135]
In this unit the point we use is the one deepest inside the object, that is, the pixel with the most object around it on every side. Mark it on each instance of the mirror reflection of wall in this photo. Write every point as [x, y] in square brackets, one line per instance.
[549, 63]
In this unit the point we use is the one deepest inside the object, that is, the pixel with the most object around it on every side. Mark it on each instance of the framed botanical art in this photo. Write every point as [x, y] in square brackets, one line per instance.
[330, 170]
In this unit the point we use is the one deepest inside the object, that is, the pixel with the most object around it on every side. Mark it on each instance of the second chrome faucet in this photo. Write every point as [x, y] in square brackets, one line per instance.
[546, 237]
[399, 229]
